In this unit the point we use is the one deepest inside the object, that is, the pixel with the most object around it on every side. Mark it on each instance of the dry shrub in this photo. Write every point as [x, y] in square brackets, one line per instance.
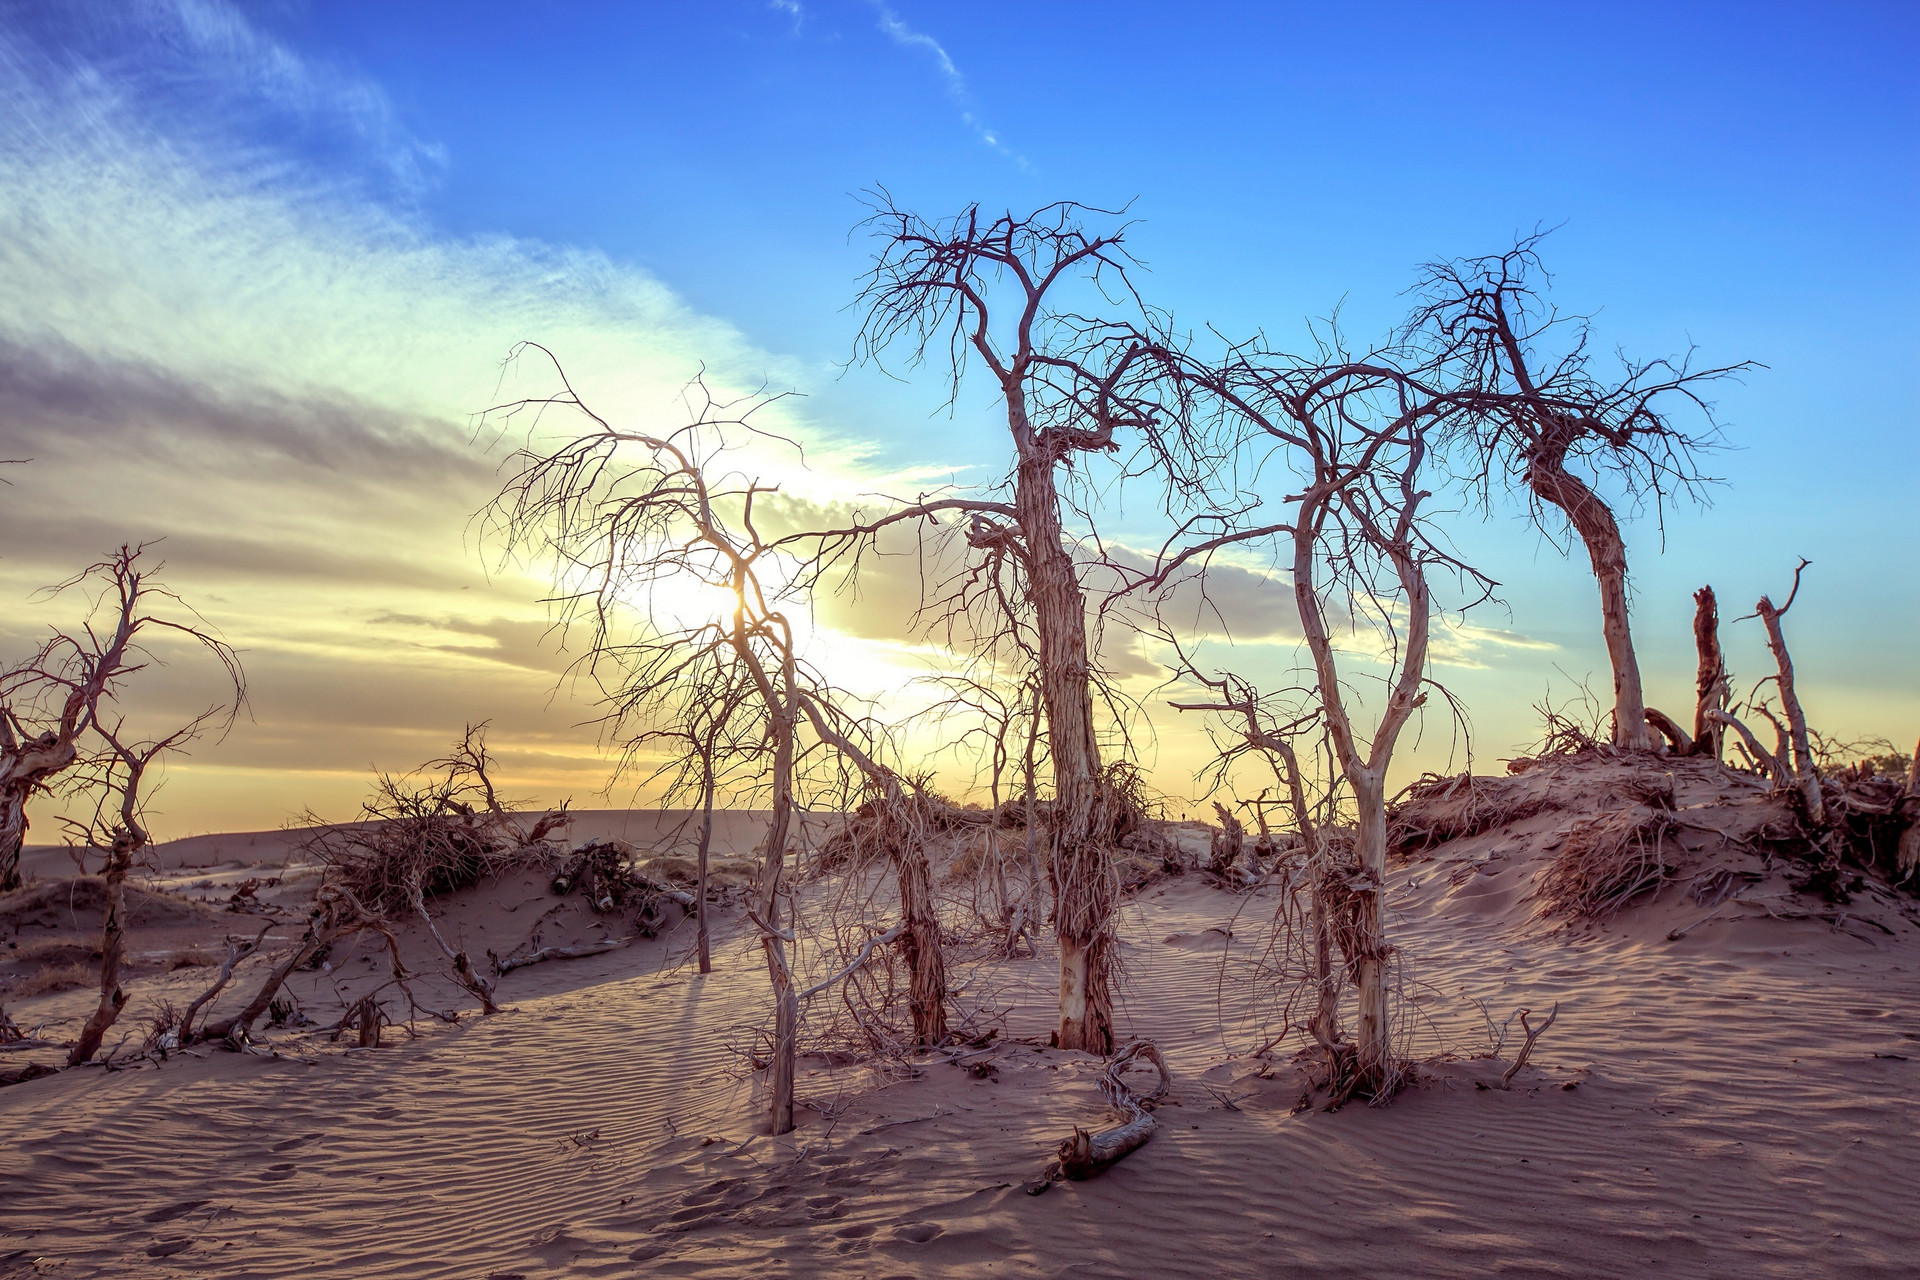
[52, 978]
[673, 867]
[1607, 861]
[427, 837]
[868, 833]
[191, 958]
[162, 1027]
[1438, 809]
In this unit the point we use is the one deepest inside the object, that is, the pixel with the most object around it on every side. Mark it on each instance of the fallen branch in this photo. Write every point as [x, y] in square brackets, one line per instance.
[1533, 1033]
[463, 969]
[877, 940]
[1678, 743]
[1674, 935]
[511, 963]
[1086, 1153]
[237, 951]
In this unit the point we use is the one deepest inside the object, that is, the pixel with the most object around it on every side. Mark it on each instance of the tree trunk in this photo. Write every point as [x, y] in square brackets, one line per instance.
[1083, 888]
[1710, 683]
[786, 1000]
[700, 887]
[1373, 1067]
[113, 948]
[920, 944]
[1549, 479]
[1228, 842]
[1324, 1026]
[1805, 776]
[13, 834]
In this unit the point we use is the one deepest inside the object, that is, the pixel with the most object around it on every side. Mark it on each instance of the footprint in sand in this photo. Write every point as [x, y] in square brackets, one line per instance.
[858, 1231]
[167, 1248]
[919, 1232]
[172, 1211]
[711, 1192]
[279, 1172]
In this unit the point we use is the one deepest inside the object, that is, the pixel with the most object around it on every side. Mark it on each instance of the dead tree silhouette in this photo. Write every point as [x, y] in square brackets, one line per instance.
[1004, 294]
[1351, 436]
[627, 518]
[53, 700]
[1544, 413]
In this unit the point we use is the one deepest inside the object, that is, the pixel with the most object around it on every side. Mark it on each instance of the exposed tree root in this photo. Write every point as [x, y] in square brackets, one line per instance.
[1087, 1152]
[1607, 861]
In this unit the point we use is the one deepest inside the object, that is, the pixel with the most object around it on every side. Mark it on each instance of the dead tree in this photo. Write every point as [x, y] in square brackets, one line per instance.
[629, 520]
[63, 711]
[50, 701]
[1005, 293]
[1350, 435]
[902, 809]
[1228, 843]
[117, 773]
[1712, 685]
[1806, 777]
[1544, 414]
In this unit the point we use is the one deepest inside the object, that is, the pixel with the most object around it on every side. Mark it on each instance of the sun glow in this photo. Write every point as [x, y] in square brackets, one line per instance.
[683, 602]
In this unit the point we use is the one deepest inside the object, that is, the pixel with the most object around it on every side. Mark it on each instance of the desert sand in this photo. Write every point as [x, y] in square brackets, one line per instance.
[1739, 1100]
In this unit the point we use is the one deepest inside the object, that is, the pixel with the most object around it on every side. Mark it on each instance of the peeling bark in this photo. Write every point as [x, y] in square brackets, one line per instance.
[1083, 888]
[1711, 686]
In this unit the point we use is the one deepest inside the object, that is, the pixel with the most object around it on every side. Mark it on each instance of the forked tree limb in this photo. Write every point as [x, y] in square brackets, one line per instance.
[463, 970]
[237, 950]
[1774, 767]
[1806, 778]
[1533, 1033]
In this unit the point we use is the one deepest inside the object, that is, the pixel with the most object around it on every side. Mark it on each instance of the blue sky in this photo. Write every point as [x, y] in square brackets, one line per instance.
[295, 196]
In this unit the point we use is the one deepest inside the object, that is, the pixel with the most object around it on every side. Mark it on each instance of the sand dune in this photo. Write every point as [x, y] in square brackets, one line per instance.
[1744, 1101]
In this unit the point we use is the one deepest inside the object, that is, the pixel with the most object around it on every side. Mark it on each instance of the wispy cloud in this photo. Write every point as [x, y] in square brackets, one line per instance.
[254, 352]
[792, 8]
[210, 72]
[902, 34]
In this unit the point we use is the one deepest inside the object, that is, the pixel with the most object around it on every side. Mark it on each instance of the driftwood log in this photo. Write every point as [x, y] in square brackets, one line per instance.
[1087, 1152]
[510, 963]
